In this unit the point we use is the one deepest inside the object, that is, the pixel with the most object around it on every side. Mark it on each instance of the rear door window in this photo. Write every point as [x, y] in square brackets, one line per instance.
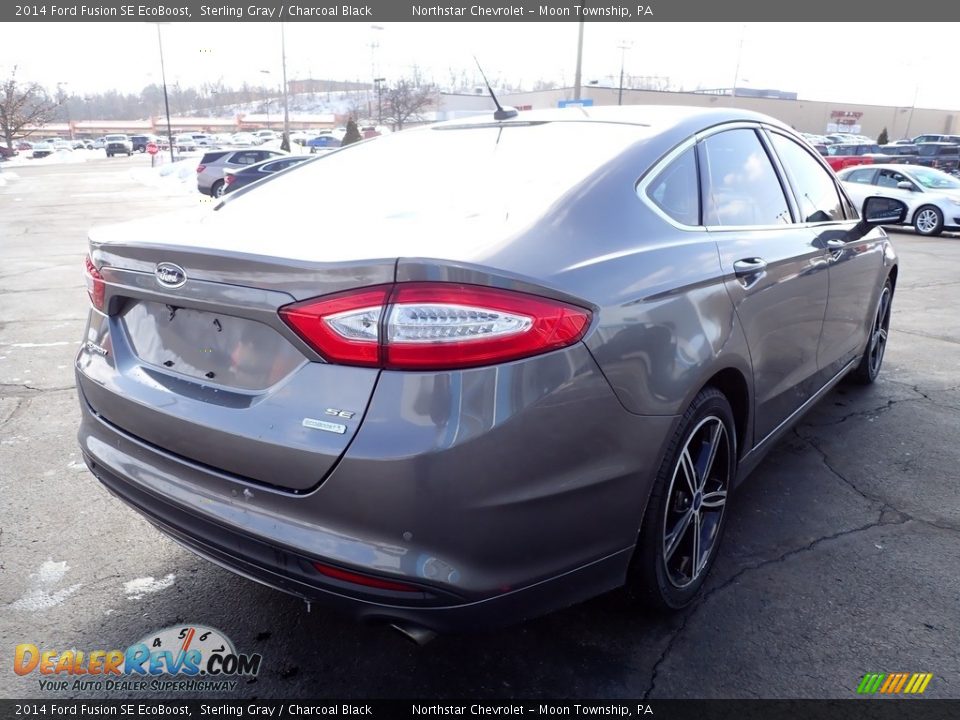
[676, 190]
[813, 186]
[864, 177]
[740, 186]
[246, 157]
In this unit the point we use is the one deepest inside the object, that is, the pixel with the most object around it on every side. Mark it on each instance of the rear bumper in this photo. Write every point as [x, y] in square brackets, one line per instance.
[285, 570]
[489, 540]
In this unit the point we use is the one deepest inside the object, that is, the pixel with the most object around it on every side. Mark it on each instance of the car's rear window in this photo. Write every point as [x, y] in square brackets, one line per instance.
[511, 171]
[212, 157]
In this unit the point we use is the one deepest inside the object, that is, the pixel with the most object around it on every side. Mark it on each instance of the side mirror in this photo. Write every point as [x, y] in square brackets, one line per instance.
[905, 185]
[883, 211]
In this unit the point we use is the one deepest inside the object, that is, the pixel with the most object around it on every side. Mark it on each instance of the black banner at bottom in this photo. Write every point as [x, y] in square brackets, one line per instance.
[854, 709]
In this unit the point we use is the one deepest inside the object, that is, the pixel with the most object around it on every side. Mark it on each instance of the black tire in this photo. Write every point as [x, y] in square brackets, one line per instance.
[658, 578]
[109, 154]
[217, 189]
[928, 220]
[871, 361]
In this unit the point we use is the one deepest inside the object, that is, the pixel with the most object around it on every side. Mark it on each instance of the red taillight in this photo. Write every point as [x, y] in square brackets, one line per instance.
[201, 168]
[432, 326]
[95, 285]
[365, 580]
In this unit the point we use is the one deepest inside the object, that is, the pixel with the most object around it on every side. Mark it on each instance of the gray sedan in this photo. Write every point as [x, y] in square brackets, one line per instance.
[497, 378]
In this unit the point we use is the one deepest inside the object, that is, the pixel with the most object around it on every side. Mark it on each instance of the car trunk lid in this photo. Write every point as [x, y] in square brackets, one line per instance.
[201, 365]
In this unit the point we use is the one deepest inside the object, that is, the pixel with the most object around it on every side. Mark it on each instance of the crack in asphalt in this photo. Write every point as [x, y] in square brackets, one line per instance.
[706, 596]
[941, 338]
[884, 504]
[866, 413]
[31, 390]
[883, 507]
[34, 290]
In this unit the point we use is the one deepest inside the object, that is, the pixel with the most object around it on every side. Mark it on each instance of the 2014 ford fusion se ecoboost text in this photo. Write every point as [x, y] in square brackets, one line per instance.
[501, 379]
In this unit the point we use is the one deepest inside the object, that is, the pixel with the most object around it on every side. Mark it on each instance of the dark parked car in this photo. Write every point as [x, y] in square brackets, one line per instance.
[235, 179]
[7, 153]
[118, 145]
[943, 156]
[496, 381]
[140, 142]
[900, 153]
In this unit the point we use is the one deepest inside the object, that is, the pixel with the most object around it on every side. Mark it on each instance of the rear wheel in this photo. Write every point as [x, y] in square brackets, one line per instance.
[218, 189]
[872, 359]
[928, 220]
[686, 513]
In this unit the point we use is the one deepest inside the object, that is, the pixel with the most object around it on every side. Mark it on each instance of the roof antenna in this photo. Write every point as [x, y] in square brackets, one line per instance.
[502, 113]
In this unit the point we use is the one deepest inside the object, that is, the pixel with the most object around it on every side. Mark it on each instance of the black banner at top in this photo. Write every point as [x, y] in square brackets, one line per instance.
[479, 11]
[891, 709]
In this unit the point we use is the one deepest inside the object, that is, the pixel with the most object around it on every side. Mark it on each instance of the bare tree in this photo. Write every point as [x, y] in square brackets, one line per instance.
[404, 100]
[23, 104]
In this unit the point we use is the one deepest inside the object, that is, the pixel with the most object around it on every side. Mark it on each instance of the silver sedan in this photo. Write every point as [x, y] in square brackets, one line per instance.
[932, 197]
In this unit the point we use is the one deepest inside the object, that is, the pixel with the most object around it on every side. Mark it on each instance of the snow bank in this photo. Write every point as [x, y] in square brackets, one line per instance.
[177, 177]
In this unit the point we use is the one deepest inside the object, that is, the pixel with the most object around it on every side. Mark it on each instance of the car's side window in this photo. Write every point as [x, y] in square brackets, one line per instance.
[245, 158]
[739, 185]
[813, 186]
[891, 178]
[676, 190]
[863, 176]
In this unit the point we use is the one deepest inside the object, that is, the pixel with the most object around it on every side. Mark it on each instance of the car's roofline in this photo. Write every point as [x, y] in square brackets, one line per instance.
[655, 117]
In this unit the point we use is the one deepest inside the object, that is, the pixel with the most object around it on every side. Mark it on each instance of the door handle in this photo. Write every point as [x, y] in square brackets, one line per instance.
[749, 266]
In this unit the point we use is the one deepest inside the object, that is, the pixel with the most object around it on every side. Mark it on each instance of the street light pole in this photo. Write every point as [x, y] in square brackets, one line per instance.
[285, 143]
[378, 82]
[166, 99]
[736, 72]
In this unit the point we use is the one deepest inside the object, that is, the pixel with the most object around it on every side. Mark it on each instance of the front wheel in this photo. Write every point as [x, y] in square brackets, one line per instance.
[928, 220]
[872, 359]
[686, 513]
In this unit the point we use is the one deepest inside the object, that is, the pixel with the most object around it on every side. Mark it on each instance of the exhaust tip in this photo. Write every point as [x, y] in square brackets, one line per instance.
[419, 635]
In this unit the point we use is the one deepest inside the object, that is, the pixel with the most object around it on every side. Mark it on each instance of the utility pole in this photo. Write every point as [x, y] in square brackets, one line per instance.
[624, 46]
[576, 77]
[166, 98]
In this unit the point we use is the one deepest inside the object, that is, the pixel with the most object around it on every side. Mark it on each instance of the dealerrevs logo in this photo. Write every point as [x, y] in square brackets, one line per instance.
[186, 658]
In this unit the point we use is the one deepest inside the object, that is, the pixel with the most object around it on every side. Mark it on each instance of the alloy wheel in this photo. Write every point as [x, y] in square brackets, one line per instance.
[696, 500]
[878, 337]
[927, 220]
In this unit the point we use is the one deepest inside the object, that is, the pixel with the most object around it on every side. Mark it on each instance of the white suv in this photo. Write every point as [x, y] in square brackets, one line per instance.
[118, 145]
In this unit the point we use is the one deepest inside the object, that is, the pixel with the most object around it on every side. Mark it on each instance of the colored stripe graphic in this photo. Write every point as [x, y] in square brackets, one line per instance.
[894, 683]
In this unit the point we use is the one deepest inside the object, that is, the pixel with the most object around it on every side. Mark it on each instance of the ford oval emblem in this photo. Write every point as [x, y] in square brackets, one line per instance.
[170, 275]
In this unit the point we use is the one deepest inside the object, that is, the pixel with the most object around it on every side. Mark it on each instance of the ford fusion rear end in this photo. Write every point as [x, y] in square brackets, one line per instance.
[290, 403]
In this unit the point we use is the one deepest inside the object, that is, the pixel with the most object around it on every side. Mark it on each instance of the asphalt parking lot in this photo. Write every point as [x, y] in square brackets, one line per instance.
[842, 556]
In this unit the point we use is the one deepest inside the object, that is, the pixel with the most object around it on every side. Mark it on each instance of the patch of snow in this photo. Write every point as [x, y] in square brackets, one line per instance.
[42, 595]
[136, 589]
